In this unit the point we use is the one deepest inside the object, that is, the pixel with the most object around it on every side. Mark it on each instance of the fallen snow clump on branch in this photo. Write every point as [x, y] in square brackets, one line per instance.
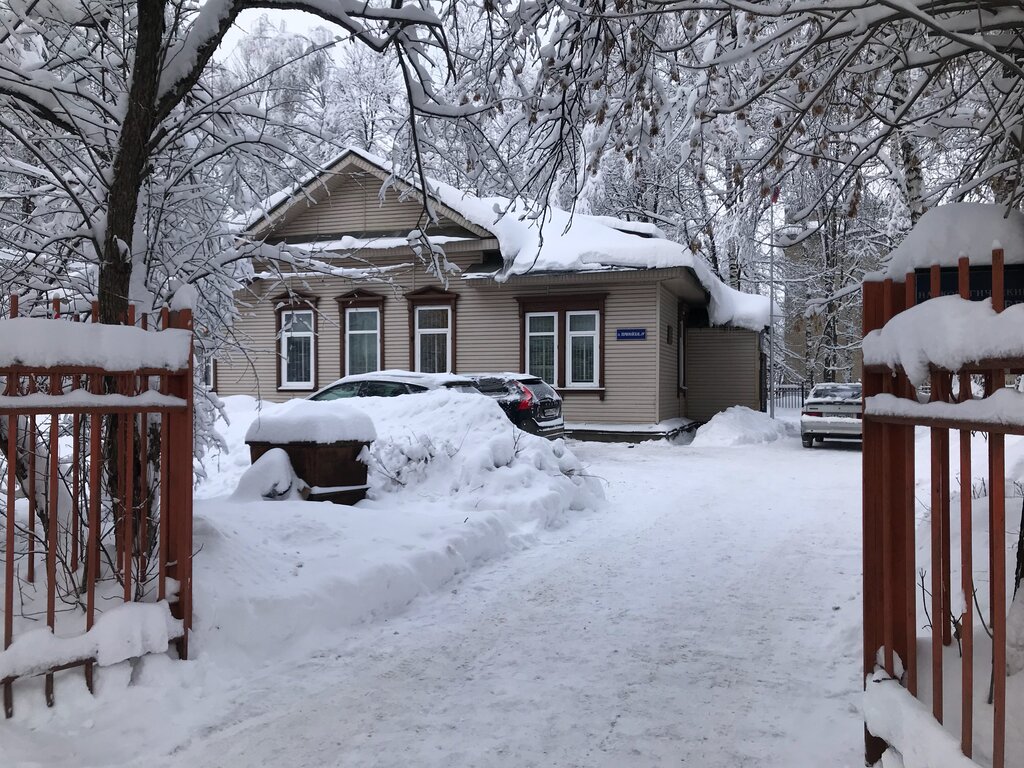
[740, 426]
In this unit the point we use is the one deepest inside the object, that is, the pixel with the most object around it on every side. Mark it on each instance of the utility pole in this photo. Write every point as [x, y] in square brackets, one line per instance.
[771, 305]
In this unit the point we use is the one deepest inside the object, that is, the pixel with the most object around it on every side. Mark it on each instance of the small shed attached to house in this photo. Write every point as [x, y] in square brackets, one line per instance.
[632, 329]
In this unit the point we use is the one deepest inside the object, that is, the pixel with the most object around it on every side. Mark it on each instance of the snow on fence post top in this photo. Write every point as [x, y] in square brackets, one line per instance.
[31, 342]
[947, 232]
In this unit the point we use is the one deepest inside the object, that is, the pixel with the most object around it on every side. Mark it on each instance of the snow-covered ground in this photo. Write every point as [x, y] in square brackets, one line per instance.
[706, 614]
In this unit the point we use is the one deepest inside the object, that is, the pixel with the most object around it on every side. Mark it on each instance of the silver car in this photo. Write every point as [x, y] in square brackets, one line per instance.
[832, 412]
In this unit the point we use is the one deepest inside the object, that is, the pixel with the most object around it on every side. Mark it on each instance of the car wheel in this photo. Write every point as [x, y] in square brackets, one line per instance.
[808, 442]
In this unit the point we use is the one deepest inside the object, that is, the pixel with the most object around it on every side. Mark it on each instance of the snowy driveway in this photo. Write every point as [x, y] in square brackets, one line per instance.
[708, 617]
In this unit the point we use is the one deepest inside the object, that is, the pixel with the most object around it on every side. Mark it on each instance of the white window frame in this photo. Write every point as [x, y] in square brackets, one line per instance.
[283, 349]
[526, 342]
[349, 333]
[432, 331]
[570, 335]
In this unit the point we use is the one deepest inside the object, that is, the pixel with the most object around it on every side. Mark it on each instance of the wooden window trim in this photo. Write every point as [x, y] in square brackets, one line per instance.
[561, 305]
[360, 299]
[432, 296]
[681, 350]
[289, 302]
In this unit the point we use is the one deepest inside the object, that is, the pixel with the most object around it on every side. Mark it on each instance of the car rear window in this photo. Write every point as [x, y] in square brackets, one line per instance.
[836, 392]
[494, 387]
[541, 390]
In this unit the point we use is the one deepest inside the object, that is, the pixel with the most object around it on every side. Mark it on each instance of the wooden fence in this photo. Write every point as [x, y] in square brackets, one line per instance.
[891, 578]
[97, 488]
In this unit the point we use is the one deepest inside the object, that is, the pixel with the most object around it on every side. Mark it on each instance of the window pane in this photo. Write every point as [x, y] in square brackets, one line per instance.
[338, 392]
[362, 353]
[434, 353]
[362, 320]
[586, 322]
[582, 359]
[432, 318]
[298, 322]
[542, 357]
[541, 324]
[383, 389]
[298, 367]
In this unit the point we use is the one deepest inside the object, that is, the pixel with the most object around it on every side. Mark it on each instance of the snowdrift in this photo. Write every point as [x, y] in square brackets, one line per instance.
[740, 426]
[452, 484]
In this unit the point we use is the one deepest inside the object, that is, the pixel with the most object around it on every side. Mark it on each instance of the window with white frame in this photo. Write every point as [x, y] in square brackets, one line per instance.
[298, 349]
[362, 340]
[542, 345]
[433, 339]
[207, 377]
[582, 354]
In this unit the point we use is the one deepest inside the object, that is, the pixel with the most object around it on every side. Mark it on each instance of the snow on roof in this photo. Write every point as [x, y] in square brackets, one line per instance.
[947, 232]
[347, 243]
[563, 242]
[36, 342]
[428, 380]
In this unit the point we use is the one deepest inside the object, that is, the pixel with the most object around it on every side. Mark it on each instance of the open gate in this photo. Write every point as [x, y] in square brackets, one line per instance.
[96, 458]
[970, 399]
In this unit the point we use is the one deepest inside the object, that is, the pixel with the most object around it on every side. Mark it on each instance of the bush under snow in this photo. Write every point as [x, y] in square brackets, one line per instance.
[740, 426]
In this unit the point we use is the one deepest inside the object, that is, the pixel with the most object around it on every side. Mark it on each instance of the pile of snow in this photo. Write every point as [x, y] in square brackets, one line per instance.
[271, 477]
[891, 713]
[948, 332]
[452, 483]
[123, 632]
[308, 421]
[740, 426]
[947, 232]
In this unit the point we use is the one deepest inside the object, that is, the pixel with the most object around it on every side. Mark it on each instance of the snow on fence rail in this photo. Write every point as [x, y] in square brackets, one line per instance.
[902, 349]
[96, 491]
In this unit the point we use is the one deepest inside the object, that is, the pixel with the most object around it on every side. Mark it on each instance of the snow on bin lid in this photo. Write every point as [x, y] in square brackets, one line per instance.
[310, 421]
[947, 232]
[36, 342]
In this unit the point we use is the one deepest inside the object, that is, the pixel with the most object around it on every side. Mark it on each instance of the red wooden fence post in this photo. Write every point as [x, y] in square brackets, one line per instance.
[180, 481]
[874, 587]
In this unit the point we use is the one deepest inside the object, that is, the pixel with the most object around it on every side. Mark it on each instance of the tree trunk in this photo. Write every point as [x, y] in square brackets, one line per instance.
[130, 165]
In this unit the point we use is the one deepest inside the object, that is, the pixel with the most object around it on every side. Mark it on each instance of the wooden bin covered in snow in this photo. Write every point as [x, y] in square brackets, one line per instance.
[333, 471]
[323, 441]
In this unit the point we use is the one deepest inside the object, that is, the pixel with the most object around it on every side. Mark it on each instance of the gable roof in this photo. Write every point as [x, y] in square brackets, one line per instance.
[554, 241]
[273, 211]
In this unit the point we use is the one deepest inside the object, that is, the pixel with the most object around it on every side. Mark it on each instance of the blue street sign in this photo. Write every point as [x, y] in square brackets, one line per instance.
[638, 334]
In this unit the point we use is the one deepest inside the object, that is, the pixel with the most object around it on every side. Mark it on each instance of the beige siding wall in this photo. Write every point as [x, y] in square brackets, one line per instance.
[487, 337]
[671, 403]
[351, 205]
[722, 370]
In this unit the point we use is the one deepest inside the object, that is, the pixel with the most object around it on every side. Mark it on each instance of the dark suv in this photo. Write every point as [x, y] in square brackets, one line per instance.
[528, 401]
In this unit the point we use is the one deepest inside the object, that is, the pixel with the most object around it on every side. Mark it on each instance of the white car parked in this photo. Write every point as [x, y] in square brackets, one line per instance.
[832, 412]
